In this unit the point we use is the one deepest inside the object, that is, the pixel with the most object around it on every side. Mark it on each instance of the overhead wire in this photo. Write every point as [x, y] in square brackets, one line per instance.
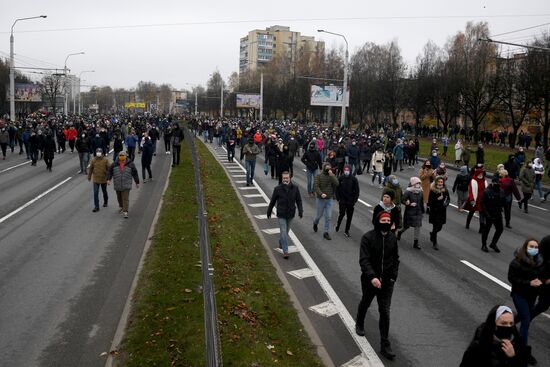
[243, 21]
[520, 30]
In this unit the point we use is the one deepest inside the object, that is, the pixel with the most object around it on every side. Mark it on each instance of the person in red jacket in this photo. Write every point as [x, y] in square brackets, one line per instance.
[71, 135]
[475, 192]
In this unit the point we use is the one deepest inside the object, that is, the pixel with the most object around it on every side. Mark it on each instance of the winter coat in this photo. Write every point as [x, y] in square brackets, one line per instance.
[98, 170]
[4, 137]
[426, 176]
[122, 177]
[287, 197]
[131, 141]
[353, 153]
[478, 355]
[527, 180]
[521, 272]
[271, 154]
[366, 152]
[378, 159]
[379, 256]
[437, 206]
[512, 167]
[480, 156]
[347, 191]
[509, 188]
[413, 213]
[81, 145]
[284, 162]
[394, 210]
[147, 152]
[177, 136]
[458, 151]
[312, 159]
[475, 192]
[325, 184]
[461, 182]
[250, 151]
[49, 147]
[398, 152]
[492, 203]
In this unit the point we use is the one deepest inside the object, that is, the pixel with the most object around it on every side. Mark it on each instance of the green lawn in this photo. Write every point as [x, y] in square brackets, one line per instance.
[257, 322]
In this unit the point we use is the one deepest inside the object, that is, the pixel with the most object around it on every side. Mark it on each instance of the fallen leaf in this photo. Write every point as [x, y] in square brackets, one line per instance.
[289, 353]
[187, 290]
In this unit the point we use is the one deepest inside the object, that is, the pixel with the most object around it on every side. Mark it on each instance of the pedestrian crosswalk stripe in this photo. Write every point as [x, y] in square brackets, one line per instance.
[261, 216]
[258, 205]
[238, 176]
[271, 230]
[301, 273]
[247, 187]
[253, 196]
[326, 309]
[240, 182]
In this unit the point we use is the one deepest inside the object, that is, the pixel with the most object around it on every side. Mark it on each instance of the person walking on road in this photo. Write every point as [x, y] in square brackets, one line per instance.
[250, 151]
[49, 150]
[4, 140]
[98, 173]
[379, 261]
[347, 194]
[525, 274]
[508, 188]
[131, 141]
[460, 186]
[475, 192]
[325, 185]
[527, 181]
[438, 200]
[121, 173]
[538, 168]
[426, 175]
[312, 161]
[177, 137]
[491, 205]
[147, 151]
[543, 302]
[387, 204]
[496, 342]
[287, 197]
[378, 159]
[458, 152]
[82, 145]
[414, 210]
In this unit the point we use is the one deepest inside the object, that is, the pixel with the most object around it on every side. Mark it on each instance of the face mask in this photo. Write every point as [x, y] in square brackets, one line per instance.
[353, 143]
[417, 186]
[83, 135]
[434, 154]
[439, 186]
[346, 173]
[504, 332]
[122, 159]
[441, 166]
[533, 251]
[384, 227]
[97, 135]
[98, 154]
[286, 182]
[395, 182]
[480, 177]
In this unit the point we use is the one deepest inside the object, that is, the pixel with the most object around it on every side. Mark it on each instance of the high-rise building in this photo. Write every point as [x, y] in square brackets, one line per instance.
[261, 46]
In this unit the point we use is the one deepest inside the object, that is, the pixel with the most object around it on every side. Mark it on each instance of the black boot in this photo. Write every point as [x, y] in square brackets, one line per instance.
[494, 247]
[530, 359]
[416, 245]
[387, 352]
[399, 235]
[484, 248]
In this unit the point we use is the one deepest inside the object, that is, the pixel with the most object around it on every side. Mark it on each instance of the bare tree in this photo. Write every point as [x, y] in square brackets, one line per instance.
[540, 65]
[52, 88]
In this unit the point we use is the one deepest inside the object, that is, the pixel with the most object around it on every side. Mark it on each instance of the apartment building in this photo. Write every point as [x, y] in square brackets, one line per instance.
[261, 46]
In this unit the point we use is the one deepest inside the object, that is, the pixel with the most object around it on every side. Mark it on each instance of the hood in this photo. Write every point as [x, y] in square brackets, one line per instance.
[386, 208]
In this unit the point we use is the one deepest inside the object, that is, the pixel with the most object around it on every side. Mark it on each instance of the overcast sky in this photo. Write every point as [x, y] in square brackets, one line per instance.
[179, 42]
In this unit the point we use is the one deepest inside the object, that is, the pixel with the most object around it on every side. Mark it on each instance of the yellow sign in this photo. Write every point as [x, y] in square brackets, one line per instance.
[134, 105]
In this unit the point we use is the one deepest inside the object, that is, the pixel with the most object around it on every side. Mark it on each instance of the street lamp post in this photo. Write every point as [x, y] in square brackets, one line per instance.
[79, 76]
[344, 91]
[65, 107]
[194, 86]
[12, 68]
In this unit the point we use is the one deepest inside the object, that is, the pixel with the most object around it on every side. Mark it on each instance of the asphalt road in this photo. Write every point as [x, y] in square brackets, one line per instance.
[438, 300]
[65, 272]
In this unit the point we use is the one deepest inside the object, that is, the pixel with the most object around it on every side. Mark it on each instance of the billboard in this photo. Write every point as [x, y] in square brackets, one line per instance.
[27, 93]
[134, 105]
[248, 101]
[327, 95]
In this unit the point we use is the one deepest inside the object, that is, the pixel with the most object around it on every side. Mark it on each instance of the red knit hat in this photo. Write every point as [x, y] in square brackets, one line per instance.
[384, 214]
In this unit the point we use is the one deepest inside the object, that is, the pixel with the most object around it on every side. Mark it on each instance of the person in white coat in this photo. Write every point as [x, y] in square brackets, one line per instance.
[458, 152]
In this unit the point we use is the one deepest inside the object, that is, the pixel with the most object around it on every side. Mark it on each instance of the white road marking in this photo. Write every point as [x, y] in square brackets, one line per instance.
[291, 249]
[6, 217]
[17, 165]
[326, 309]
[490, 277]
[238, 176]
[240, 182]
[261, 216]
[358, 361]
[301, 273]
[365, 203]
[272, 230]
[258, 205]
[347, 319]
[253, 196]
[248, 188]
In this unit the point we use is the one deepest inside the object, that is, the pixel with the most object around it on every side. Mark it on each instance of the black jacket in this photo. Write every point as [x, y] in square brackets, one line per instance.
[480, 355]
[287, 197]
[520, 274]
[312, 159]
[347, 191]
[461, 182]
[379, 256]
[492, 203]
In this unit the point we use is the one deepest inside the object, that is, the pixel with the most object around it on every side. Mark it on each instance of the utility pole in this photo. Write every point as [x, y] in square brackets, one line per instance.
[196, 102]
[261, 96]
[221, 99]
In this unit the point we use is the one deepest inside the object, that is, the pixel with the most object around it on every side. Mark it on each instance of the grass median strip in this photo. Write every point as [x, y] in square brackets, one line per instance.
[257, 322]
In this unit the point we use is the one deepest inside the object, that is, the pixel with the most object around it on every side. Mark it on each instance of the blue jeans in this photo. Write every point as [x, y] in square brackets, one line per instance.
[524, 307]
[310, 176]
[96, 194]
[250, 166]
[284, 226]
[324, 208]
